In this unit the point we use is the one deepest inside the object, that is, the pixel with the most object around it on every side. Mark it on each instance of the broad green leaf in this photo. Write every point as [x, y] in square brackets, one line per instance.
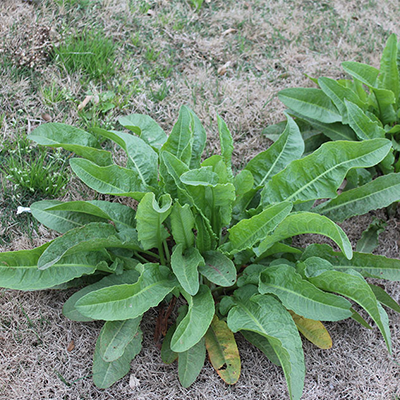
[219, 167]
[129, 301]
[167, 355]
[218, 268]
[115, 336]
[226, 141]
[190, 363]
[150, 215]
[314, 331]
[266, 316]
[245, 193]
[250, 231]
[199, 141]
[19, 271]
[289, 147]
[353, 286]
[389, 72]
[72, 139]
[184, 263]
[320, 174]
[369, 240]
[301, 296]
[180, 140]
[362, 72]
[384, 298]
[378, 193]
[222, 351]
[146, 128]
[182, 224]
[59, 220]
[205, 237]
[385, 103]
[306, 222]
[107, 373]
[310, 103]
[262, 343]
[112, 179]
[142, 159]
[338, 94]
[196, 322]
[362, 125]
[69, 309]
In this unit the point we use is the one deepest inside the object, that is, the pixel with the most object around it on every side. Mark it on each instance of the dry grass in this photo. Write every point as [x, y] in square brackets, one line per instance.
[274, 44]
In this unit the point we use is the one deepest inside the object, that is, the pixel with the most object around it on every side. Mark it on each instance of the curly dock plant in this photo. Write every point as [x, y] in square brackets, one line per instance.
[216, 244]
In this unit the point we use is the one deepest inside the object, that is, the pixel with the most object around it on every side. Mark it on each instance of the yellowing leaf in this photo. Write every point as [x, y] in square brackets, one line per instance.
[312, 330]
[222, 351]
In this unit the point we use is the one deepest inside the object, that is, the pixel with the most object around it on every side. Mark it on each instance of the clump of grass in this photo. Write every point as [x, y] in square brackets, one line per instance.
[90, 53]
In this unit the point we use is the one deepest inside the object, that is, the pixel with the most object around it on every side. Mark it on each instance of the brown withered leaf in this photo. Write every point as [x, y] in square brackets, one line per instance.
[71, 346]
[228, 31]
[46, 117]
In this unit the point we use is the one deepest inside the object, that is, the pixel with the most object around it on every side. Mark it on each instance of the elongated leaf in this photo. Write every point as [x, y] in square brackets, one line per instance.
[306, 222]
[205, 237]
[167, 355]
[312, 330]
[185, 264]
[369, 240]
[226, 141]
[218, 268]
[196, 322]
[107, 373]
[362, 72]
[289, 147]
[262, 343]
[378, 193]
[18, 270]
[182, 224]
[129, 301]
[199, 141]
[115, 336]
[142, 159]
[190, 363]
[72, 139]
[69, 309]
[146, 128]
[301, 296]
[180, 140]
[362, 125]
[353, 286]
[222, 351]
[109, 180]
[385, 103]
[311, 103]
[389, 72]
[150, 216]
[264, 315]
[248, 232]
[321, 173]
[358, 318]
[384, 298]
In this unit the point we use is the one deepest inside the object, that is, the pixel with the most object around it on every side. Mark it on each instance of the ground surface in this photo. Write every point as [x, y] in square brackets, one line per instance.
[167, 55]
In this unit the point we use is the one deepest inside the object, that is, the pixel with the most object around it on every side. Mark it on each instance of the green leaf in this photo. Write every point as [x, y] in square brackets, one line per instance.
[18, 269]
[358, 318]
[378, 193]
[72, 139]
[362, 125]
[226, 141]
[306, 222]
[180, 140]
[301, 296]
[146, 128]
[289, 147]
[199, 141]
[266, 316]
[222, 351]
[182, 224]
[150, 216]
[129, 301]
[353, 286]
[190, 363]
[310, 103]
[115, 336]
[385, 103]
[205, 237]
[112, 179]
[196, 322]
[184, 263]
[107, 373]
[384, 298]
[167, 355]
[218, 269]
[369, 240]
[248, 232]
[320, 174]
[362, 72]
[262, 343]
[69, 309]
[389, 72]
